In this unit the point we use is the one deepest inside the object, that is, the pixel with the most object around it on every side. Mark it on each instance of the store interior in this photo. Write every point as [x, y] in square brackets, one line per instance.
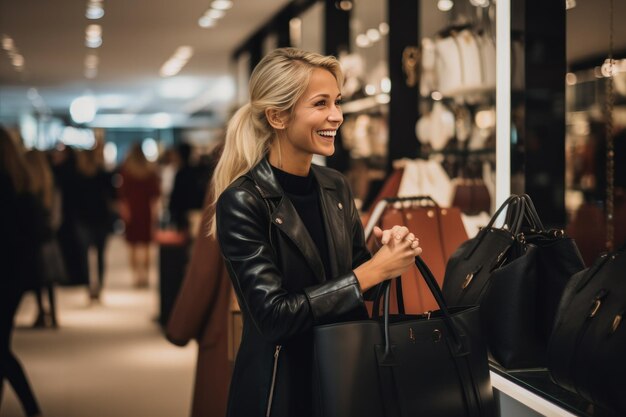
[421, 90]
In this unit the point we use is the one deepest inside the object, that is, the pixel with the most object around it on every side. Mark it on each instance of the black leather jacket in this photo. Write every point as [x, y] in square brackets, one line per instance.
[281, 285]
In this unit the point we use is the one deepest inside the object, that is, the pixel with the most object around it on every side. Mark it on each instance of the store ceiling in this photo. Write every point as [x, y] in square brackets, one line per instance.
[140, 35]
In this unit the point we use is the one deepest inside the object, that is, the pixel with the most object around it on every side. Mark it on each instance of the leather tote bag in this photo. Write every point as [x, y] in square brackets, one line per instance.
[405, 365]
[587, 349]
[440, 231]
[517, 274]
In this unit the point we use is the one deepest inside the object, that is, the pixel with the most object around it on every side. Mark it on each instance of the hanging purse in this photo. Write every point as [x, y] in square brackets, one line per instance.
[440, 231]
[406, 365]
[517, 274]
[588, 342]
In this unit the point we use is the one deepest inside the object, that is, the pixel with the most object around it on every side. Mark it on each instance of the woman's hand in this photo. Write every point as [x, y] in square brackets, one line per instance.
[400, 247]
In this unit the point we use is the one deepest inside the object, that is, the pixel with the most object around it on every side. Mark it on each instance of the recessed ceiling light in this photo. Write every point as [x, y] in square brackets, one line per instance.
[215, 14]
[83, 109]
[222, 4]
[445, 5]
[206, 22]
[94, 11]
[7, 43]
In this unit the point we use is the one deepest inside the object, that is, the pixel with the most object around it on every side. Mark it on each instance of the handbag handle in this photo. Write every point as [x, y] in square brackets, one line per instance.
[514, 220]
[514, 215]
[427, 275]
[532, 213]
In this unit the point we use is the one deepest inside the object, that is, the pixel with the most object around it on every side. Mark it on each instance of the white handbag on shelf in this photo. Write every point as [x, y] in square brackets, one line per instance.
[459, 64]
[437, 127]
[425, 178]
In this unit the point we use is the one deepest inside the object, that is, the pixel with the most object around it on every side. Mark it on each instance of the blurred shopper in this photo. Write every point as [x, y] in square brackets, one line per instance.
[74, 251]
[94, 218]
[51, 269]
[138, 194]
[22, 231]
[187, 192]
[201, 313]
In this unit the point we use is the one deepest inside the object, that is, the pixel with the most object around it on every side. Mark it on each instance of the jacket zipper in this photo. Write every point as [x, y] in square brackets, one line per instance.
[271, 396]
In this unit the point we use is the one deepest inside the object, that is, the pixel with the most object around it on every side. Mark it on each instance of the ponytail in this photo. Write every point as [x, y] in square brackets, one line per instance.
[277, 82]
[246, 143]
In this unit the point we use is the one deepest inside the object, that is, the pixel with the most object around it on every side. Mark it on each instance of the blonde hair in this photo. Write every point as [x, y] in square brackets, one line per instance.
[277, 83]
[41, 174]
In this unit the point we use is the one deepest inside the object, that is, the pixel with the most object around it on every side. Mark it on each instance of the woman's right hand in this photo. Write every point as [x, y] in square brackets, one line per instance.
[400, 247]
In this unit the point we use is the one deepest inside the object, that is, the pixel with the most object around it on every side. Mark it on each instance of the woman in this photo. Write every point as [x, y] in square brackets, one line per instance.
[94, 218]
[290, 233]
[51, 269]
[138, 195]
[22, 225]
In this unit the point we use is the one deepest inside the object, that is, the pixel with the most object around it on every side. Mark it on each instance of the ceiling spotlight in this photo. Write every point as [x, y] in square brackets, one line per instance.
[445, 5]
[183, 53]
[18, 61]
[383, 28]
[83, 109]
[206, 22]
[222, 4]
[94, 10]
[7, 43]
[93, 36]
[93, 42]
[215, 14]
[480, 3]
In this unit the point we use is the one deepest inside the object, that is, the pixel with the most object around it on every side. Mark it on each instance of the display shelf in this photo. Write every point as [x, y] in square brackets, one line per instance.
[534, 389]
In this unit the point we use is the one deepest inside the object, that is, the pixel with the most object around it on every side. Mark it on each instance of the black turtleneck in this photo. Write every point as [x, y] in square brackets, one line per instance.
[303, 194]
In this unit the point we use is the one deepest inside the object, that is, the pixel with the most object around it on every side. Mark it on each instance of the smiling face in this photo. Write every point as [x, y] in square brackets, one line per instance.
[314, 122]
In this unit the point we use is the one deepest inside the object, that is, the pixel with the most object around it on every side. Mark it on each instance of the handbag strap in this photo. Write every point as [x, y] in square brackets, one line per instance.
[459, 349]
[532, 214]
[512, 220]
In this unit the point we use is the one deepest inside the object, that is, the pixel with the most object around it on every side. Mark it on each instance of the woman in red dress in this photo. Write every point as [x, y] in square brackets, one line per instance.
[139, 193]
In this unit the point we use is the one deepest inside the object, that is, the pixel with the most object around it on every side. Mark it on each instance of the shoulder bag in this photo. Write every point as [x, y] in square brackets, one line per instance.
[405, 365]
[517, 274]
[586, 353]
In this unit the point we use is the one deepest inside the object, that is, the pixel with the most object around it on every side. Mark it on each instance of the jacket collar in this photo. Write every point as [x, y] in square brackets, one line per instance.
[264, 178]
[286, 219]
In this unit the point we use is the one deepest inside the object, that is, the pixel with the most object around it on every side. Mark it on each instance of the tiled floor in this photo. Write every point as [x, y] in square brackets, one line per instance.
[105, 360]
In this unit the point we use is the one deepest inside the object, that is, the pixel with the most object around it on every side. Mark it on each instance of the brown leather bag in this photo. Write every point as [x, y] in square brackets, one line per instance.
[471, 196]
[440, 231]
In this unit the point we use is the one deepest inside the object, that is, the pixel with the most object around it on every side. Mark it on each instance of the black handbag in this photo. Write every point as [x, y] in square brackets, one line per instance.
[407, 365]
[587, 349]
[517, 274]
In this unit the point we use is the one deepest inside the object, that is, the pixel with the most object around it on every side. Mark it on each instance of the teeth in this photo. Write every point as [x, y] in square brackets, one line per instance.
[329, 133]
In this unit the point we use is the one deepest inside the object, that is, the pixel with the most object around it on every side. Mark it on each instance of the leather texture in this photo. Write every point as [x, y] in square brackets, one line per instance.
[281, 285]
[586, 349]
[440, 231]
[517, 274]
[404, 365]
[201, 312]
